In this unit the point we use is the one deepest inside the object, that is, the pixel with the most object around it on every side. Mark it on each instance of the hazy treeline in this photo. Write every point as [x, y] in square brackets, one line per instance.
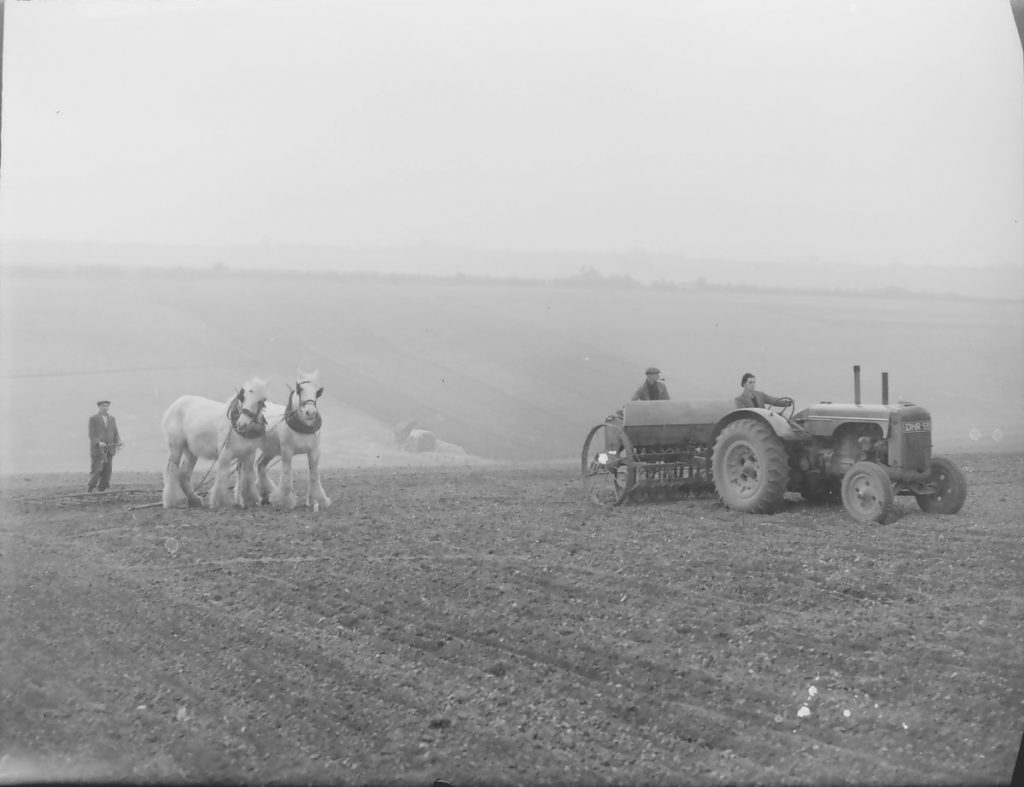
[627, 269]
[586, 277]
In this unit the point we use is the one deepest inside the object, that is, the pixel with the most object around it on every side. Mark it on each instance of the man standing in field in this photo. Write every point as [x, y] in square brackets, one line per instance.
[751, 397]
[653, 387]
[103, 442]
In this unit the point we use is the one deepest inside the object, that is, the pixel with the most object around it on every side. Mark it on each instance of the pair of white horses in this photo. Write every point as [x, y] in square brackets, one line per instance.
[236, 431]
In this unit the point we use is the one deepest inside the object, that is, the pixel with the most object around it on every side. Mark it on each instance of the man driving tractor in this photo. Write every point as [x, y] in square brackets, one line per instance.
[751, 397]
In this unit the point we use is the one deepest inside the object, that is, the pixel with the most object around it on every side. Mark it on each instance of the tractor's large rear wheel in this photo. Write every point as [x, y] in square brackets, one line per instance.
[950, 488]
[750, 467]
[609, 469]
[867, 493]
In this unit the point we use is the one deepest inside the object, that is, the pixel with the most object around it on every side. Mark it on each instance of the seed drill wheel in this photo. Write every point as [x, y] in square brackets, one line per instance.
[609, 470]
[750, 467]
[867, 493]
[950, 488]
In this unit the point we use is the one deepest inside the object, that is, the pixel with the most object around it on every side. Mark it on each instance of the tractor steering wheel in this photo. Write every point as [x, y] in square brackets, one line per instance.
[785, 403]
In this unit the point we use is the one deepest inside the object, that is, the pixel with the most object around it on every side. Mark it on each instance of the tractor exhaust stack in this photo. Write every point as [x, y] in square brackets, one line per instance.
[885, 388]
[856, 384]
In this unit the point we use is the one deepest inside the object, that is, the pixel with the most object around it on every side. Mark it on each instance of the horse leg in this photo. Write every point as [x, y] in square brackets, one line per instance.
[220, 492]
[188, 464]
[284, 495]
[173, 494]
[264, 485]
[238, 488]
[316, 496]
[246, 491]
[242, 495]
[240, 483]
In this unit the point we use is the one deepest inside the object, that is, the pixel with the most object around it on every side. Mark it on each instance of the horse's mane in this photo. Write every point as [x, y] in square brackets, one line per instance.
[258, 386]
[310, 377]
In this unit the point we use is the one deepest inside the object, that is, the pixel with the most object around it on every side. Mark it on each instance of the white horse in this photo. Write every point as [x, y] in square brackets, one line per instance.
[294, 429]
[220, 431]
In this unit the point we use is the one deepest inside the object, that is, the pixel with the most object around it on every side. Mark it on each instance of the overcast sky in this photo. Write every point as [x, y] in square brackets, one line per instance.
[872, 132]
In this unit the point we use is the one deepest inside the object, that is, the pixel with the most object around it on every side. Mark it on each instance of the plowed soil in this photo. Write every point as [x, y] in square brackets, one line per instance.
[489, 624]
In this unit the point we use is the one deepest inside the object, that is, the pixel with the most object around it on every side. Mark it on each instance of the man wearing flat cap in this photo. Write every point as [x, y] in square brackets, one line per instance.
[103, 442]
[653, 387]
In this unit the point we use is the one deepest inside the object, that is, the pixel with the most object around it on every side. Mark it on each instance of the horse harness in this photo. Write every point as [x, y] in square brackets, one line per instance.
[257, 425]
[292, 416]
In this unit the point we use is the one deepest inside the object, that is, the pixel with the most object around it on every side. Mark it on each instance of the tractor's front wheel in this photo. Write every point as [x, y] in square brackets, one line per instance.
[950, 488]
[867, 493]
[750, 467]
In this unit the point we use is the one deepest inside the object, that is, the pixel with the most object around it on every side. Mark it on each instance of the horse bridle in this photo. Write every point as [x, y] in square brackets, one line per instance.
[298, 388]
[258, 422]
[291, 415]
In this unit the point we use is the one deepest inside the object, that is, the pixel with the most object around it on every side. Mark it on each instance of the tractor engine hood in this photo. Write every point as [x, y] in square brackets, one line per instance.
[822, 419]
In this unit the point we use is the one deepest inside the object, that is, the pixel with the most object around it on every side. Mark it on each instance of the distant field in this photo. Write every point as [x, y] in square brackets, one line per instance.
[506, 371]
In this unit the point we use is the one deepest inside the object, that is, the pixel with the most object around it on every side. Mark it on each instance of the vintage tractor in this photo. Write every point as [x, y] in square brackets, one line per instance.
[864, 455]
